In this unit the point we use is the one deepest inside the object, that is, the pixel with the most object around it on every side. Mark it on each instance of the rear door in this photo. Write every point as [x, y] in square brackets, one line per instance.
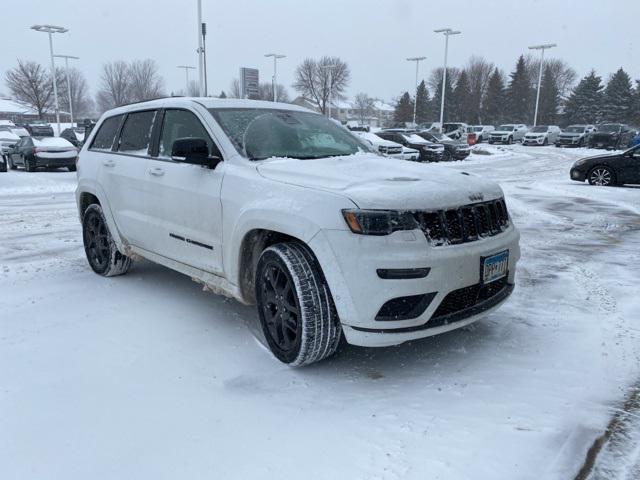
[123, 174]
[185, 210]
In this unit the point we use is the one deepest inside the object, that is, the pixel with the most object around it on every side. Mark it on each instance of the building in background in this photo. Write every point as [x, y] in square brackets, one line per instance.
[19, 113]
[249, 82]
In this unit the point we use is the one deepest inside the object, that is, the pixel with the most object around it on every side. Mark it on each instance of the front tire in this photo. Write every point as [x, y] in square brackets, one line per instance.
[296, 310]
[602, 176]
[102, 254]
[510, 141]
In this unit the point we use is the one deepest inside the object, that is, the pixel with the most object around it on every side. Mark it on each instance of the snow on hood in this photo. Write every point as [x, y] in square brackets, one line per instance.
[377, 182]
[376, 140]
[5, 135]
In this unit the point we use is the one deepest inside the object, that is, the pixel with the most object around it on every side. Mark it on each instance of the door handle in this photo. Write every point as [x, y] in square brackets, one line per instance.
[109, 163]
[156, 171]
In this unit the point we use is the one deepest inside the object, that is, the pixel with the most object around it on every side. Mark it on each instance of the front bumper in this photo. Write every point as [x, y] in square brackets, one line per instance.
[568, 142]
[461, 154]
[533, 141]
[578, 174]
[350, 263]
[500, 139]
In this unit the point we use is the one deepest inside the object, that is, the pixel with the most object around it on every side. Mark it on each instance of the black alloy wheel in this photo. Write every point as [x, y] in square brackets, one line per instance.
[281, 310]
[96, 241]
[601, 176]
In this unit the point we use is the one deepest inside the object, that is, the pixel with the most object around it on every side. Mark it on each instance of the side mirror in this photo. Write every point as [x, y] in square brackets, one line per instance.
[194, 151]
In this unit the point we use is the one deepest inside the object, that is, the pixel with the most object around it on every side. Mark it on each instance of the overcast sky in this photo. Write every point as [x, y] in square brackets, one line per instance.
[373, 36]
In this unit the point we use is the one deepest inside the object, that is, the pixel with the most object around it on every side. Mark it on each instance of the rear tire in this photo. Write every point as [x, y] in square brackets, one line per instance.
[102, 254]
[296, 310]
[28, 166]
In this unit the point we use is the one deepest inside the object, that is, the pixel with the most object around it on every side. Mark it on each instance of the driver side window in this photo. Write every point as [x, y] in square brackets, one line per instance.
[182, 124]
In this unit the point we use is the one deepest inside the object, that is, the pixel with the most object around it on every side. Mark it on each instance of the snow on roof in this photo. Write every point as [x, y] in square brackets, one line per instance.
[385, 107]
[11, 106]
[51, 142]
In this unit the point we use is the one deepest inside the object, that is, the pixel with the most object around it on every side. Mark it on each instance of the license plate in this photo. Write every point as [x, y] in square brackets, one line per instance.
[601, 144]
[494, 267]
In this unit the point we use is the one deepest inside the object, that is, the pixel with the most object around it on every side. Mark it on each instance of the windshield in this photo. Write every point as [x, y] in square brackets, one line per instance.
[574, 130]
[609, 128]
[413, 138]
[478, 129]
[260, 133]
[505, 128]
[539, 129]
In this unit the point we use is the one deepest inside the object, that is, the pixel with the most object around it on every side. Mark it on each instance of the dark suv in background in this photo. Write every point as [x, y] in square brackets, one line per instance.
[612, 135]
[39, 129]
[453, 150]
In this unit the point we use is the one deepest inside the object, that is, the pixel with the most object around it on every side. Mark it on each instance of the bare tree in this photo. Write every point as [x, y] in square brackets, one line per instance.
[81, 101]
[30, 83]
[265, 92]
[146, 82]
[434, 82]
[320, 80]
[478, 71]
[561, 72]
[363, 106]
[115, 85]
[235, 91]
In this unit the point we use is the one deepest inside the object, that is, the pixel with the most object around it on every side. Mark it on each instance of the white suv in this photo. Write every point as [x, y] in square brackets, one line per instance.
[275, 205]
[542, 135]
[508, 133]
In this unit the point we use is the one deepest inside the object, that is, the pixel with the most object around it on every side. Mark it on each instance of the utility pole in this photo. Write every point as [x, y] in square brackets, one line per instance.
[200, 52]
[447, 32]
[204, 56]
[415, 103]
[275, 56]
[542, 48]
[66, 64]
[51, 29]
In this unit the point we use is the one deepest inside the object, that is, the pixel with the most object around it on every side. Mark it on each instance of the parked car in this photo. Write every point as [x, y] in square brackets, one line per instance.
[429, 151]
[508, 133]
[541, 135]
[482, 132]
[382, 146]
[48, 152]
[39, 128]
[8, 139]
[410, 154]
[575, 136]
[456, 130]
[3, 163]
[611, 135]
[608, 170]
[75, 135]
[261, 201]
[435, 126]
[453, 150]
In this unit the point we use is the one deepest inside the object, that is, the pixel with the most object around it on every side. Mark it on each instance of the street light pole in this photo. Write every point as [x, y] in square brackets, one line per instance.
[447, 32]
[542, 48]
[186, 72]
[200, 51]
[66, 64]
[415, 103]
[275, 56]
[51, 29]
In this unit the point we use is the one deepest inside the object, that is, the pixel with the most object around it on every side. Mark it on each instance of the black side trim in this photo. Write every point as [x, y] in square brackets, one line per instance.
[450, 318]
[402, 273]
[192, 242]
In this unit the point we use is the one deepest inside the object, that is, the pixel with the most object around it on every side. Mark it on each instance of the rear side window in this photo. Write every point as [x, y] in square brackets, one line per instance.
[136, 133]
[107, 133]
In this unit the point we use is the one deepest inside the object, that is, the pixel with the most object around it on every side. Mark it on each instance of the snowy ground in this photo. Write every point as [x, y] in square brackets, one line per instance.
[145, 376]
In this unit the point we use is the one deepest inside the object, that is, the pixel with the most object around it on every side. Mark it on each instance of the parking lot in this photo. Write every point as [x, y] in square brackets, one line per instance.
[91, 367]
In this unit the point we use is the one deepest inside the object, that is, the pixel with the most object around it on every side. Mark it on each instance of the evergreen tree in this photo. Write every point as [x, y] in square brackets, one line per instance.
[404, 109]
[549, 99]
[437, 98]
[462, 99]
[423, 106]
[222, 94]
[636, 105]
[493, 105]
[619, 98]
[585, 102]
[520, 94]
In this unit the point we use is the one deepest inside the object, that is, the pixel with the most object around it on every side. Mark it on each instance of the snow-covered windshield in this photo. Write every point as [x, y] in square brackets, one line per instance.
[539, 129]
[574, 129]
[413, 138]
[260, 133]
[505, 128]
[609, 128]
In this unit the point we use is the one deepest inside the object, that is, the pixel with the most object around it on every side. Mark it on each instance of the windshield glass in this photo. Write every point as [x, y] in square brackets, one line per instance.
[609, 128]
[260, 133]
[539, 129]
[574, 130]
[478, 129]
[505, 128]
[413, 138]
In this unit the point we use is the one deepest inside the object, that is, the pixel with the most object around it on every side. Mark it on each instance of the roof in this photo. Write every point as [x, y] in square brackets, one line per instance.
[11, 106]
[207, 102]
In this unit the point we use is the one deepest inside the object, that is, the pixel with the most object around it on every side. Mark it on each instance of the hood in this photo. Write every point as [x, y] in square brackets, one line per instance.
[4, 135]
[376, 182]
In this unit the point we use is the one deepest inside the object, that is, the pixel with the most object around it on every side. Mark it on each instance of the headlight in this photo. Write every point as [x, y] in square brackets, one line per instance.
[382, 149]
[378, 222]
[581, 162]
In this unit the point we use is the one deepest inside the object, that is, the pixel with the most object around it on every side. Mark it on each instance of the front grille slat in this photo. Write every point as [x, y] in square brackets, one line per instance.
[465, 224]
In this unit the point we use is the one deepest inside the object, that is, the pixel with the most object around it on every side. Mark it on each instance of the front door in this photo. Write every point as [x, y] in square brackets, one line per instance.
[185, 208]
